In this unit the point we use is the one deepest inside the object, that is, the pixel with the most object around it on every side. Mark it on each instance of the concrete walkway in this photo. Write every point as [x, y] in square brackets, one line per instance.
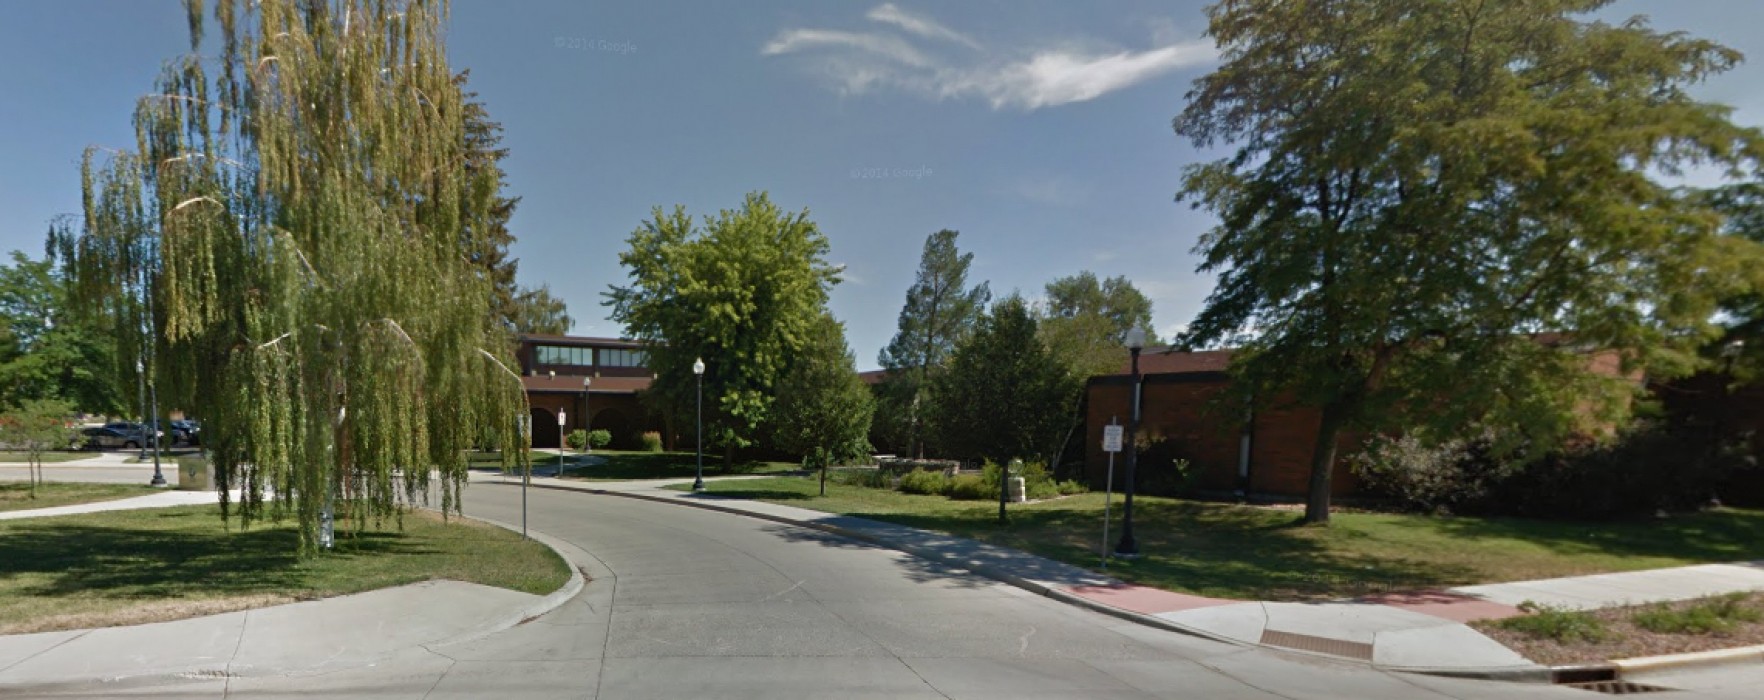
[163, 499]
[1419, 631]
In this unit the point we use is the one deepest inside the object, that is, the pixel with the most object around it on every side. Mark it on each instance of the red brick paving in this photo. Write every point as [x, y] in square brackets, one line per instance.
[1451, 606]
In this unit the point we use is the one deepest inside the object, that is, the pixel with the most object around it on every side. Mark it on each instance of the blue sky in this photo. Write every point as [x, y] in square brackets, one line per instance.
[1040, 129]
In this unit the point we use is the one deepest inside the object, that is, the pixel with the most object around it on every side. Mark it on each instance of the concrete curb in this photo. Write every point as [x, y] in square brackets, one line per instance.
[1536, 674]
[208, 671]
[1698, 659]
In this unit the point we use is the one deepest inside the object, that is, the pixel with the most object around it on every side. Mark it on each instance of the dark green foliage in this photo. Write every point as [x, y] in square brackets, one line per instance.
[940, 311]
[972, 487]
[1559, 624]
[1716, 615]
[599, 438]
[925, 483]
[1003, 395]
[1418, 189]
[823, 410]
[48, 350]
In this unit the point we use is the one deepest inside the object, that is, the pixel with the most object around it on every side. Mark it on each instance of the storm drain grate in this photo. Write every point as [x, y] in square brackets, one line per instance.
[1321, 645]
[1617, 687]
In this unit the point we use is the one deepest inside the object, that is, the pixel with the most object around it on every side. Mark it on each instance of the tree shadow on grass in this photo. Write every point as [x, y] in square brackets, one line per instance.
[1720, 535]
[759, 494]
[150, 562]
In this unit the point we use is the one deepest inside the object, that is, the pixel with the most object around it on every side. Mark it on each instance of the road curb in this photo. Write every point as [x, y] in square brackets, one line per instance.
[1535, 674]
[209, 671]
[1698, 659]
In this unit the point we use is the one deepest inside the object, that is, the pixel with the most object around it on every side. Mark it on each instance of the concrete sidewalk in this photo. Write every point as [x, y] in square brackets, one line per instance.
[1419, 631]
[163, 499]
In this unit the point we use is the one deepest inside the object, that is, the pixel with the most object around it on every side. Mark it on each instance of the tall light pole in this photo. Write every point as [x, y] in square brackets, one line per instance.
[698, 371]
[1128, 547]
[587, 418]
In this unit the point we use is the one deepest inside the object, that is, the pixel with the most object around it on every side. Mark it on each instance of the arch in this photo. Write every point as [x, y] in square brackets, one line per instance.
[624, 427]
[544, 425]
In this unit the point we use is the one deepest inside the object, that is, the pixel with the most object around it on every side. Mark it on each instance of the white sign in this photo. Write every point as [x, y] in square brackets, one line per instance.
[1112, 438]
[560, 419]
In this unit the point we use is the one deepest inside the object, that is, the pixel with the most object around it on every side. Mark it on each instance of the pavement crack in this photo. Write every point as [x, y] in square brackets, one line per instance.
[779, 593]
[57, 645]
[1023, 641]
[921, 677]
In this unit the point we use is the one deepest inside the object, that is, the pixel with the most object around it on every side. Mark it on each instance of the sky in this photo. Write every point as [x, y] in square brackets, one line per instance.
[1039, 129]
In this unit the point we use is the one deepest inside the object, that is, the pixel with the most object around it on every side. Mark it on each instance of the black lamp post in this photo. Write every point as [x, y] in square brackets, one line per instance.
[1128, 547]
[698, 371]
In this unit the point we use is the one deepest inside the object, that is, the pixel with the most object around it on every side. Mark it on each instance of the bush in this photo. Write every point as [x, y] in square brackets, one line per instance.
[1645, 469]
[577, 439]
[924, 482]
[1430, 478]
[599, 439]
[650, 441]
[1072, 488]
[1560, 624]
[971, 487]
[1712, 616]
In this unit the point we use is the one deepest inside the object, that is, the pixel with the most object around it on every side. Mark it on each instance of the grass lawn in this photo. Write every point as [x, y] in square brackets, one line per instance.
[131, 567]
[16, 495]
[623, 466]
[1233, 551]
[11, 457]
[493, 460]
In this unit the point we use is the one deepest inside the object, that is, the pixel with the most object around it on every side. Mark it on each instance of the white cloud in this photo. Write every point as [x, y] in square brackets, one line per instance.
[859, 62]
[888, 13]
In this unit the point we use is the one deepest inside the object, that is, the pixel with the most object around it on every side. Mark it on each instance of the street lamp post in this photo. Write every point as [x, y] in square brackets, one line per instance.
[698, 371]
[1128, 547]
[587, 417]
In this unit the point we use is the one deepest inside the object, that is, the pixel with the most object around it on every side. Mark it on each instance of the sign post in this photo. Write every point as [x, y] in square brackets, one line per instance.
[1112, 434]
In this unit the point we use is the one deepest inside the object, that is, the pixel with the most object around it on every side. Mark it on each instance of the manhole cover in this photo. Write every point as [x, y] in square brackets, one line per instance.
[1321, 645]
[1617, 687]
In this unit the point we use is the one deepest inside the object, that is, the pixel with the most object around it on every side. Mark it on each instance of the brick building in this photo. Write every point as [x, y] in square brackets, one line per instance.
[553, 370]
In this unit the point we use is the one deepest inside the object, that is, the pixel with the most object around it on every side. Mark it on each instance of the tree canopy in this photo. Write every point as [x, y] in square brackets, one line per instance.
[1003, 395]
[743, 291]
[1085, 321]
[823, 410]
[294, 232]
[940, 310]
[1421, 192]
[47, 350]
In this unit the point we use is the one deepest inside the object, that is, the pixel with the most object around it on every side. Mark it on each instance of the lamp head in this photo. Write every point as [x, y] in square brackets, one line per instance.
[1135, 338]
[586, 381]
[698, 366]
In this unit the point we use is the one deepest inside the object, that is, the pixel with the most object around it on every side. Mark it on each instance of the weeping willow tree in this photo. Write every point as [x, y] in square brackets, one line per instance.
[295, 230]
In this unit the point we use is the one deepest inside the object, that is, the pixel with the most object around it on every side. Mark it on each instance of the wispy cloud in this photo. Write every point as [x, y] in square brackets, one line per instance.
[888, 13]
[886, 57]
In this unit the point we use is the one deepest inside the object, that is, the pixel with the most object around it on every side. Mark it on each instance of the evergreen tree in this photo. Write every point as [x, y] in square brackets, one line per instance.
[823, 410]
[940, 311]
[1003, 395]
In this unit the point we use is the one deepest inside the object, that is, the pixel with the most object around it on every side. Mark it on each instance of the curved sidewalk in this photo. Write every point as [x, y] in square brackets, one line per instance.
[297, 638]
[1417, 632]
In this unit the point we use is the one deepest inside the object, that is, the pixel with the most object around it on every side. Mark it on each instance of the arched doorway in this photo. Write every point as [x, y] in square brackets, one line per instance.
[545, 432]
[619, 422]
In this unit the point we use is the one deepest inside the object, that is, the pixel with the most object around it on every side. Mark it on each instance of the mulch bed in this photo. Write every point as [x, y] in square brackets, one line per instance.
[1626, 640]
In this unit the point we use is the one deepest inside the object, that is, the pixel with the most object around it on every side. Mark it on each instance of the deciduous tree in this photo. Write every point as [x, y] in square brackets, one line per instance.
[743, 292]
[1420, 189]
[47, 351]
[37, 426]
[297, 227]
[823, 410]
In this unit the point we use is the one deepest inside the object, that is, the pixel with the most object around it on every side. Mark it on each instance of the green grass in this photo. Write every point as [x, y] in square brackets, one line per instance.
[1246, 552]
[1716, 615]
[1559, 624]
[623, 465]
[16, 495]
[129, 567]
[11, 457]
[493, 460]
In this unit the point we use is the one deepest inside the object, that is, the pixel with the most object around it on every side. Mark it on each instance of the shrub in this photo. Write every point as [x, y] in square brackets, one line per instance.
[1646, 468]
[1072, 488]
[598, 439]
[1430, 478]
[971, 487]
[577, 439]
[924, 482]
[1712, 616]
[1560, 624]
[650, 441]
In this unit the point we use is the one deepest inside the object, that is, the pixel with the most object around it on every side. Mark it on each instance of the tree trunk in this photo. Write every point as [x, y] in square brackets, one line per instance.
[1323, 462]
[729, 458]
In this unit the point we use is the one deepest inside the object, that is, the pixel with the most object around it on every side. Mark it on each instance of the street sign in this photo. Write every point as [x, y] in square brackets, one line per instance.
[1112, 438]
[560, 419]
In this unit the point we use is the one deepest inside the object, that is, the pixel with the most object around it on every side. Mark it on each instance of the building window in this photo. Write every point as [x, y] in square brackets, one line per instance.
[560, 355]
[611, 357]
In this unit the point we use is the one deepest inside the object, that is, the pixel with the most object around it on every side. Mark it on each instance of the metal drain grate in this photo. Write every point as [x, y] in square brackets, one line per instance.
[1321, 645]
[1617, 687]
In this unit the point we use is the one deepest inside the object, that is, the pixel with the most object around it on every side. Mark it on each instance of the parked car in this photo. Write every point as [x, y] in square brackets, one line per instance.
[188, 432]
[137, 432]
[106, 437]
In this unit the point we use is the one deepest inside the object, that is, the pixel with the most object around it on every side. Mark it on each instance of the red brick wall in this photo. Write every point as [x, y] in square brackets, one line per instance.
[1209, 437]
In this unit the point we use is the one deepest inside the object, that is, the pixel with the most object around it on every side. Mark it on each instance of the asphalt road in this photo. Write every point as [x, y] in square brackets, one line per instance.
[688, 603]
